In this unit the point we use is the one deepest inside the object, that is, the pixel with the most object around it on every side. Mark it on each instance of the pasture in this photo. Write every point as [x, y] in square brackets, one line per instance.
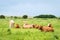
[29, 34]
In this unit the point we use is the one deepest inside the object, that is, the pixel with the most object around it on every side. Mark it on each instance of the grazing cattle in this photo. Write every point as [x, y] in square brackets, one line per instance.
[17, 26]
[11, 24]
[47, 28]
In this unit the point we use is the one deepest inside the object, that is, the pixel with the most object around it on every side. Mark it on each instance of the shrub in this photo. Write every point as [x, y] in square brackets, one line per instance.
[25, 16]
[45, 16]
[15, 17]
[2, 16]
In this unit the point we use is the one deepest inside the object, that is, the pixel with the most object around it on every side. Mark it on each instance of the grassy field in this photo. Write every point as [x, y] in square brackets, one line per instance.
[29, 34]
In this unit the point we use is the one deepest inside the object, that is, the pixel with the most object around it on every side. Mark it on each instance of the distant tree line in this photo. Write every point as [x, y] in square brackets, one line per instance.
[16, 17]
[26, 16]
[2, 17]
[45, 16]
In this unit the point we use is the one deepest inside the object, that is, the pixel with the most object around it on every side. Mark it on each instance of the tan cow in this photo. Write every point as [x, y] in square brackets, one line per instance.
[26, 25]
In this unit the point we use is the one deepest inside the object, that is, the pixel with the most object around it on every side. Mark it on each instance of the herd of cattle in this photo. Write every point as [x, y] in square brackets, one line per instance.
[47, 28]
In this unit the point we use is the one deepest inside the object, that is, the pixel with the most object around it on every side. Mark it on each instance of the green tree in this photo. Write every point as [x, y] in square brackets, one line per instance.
[45, 16]
[15, 17]
[25, 16]
[2, 16]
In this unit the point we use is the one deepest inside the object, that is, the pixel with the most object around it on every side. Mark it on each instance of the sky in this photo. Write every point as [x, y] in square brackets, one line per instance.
[29, 7]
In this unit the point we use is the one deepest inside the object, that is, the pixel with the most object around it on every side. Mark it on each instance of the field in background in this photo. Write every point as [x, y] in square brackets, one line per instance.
[29, 34]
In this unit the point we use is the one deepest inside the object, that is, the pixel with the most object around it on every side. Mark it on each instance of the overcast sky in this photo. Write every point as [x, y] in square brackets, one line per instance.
[29, 7]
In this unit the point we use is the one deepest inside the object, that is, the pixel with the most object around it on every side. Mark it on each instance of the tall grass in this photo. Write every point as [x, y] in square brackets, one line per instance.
[29, 34]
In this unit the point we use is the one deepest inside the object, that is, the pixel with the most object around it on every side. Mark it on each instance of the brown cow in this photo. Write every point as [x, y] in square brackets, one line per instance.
[46, 28]
[36, 26]
[17, 26]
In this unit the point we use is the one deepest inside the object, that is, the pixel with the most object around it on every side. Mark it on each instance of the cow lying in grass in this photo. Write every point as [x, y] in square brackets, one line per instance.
[27, 26]
[48, 28]
[36, 26]
[17, 26]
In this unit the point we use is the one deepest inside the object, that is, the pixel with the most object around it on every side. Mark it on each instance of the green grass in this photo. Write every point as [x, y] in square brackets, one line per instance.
[29, 34]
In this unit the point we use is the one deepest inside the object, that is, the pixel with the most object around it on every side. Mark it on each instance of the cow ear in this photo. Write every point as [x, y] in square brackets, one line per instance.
[49, 25]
